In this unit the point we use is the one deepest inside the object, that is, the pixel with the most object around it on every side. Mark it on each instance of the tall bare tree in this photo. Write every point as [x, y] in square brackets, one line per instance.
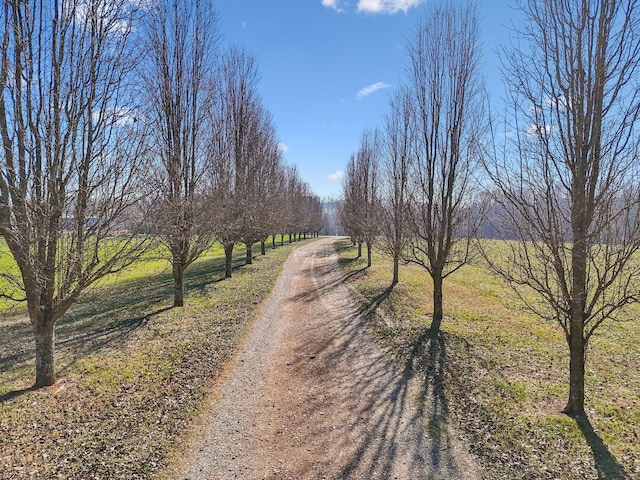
[261, 162]
[182, 44]
[71, 154]
[360, 215]
[294, 191]
[241, 127]
[397, 165]
[269, 189]
[447, 94]
[571, 185]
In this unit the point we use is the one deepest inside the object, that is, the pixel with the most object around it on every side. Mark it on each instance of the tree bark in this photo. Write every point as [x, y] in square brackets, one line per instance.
[44, 333]
[228, 259]
[575, 405]
[359, 250]
[368, 254]
[437, 303]
[178, 285]
[263, 248]
[249, 259]
[273, 242]
[396, 270]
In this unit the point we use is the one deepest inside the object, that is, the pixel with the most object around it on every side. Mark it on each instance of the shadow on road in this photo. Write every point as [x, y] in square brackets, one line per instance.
[401, 424]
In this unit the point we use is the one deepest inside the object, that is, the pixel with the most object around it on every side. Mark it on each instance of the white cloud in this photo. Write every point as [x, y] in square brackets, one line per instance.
[539, 130]
[370, 89]
[244, 24]
[283, 148]
[335, 4]
[386, 6]
[335, 176]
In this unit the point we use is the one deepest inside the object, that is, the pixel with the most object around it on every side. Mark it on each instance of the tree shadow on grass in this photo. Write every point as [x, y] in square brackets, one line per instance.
[371, 307]
[606, 464]
[106, 316]
[7, 397]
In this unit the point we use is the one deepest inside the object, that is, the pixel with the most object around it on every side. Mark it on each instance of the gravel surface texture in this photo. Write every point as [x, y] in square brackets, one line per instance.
[312, 396]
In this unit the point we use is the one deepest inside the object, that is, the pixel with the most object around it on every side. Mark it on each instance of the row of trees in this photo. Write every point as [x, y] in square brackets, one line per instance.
[563, 189]
[408, 186]
[120, 117]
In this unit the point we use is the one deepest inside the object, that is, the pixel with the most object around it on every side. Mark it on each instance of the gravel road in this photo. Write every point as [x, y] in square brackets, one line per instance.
[312, 396]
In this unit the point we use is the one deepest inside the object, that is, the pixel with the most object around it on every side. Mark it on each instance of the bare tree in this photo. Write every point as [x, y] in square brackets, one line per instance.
[361, 197]
[314, 217]
[447, 95]
[294, 191]
[278, 205]
[395, 184]
[269, 191]
[347, 211]
[71, 154]
[260, 164]
[182, 43]
[240, 127]
[570, 187]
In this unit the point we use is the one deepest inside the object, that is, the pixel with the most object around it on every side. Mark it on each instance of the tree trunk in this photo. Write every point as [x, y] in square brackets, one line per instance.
[575, 405]
[178, 285]
[263, 248]
[273, 242]
[396, 272]
[282, 240]
[368, 254]
[228, 259]
[437, 303]
[359, 250]
[290, 237]
[44, 334]
[249, 259]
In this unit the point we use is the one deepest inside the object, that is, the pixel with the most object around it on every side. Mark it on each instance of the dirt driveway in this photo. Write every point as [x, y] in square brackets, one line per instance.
[312, 396]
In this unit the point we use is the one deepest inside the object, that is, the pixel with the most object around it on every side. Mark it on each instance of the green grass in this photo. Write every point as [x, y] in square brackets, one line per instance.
[134, 372]
[504, 373]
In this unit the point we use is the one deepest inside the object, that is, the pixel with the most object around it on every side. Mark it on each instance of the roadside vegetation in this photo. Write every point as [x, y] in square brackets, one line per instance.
[134, 372]
[499, 373]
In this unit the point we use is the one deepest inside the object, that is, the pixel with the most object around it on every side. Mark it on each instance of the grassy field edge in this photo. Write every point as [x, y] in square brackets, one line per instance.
[135, 375]
[498, 374]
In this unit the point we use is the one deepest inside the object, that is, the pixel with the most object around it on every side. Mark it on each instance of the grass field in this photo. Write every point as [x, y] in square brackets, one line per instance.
[134, 372]
[500, 374]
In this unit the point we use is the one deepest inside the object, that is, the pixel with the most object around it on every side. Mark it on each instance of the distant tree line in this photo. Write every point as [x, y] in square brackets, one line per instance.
[124, 124]
[561, 188]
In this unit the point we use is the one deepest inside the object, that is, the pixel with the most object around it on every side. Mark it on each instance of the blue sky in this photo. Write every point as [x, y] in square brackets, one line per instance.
[328, 68]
